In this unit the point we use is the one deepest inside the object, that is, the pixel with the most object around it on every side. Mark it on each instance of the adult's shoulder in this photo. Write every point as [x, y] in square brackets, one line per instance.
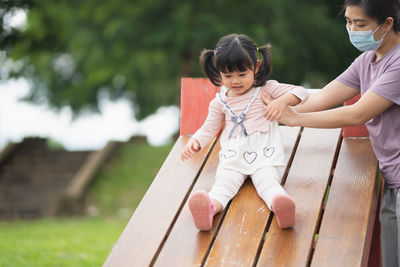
[394, 55]
[364, 58]
[358, 64]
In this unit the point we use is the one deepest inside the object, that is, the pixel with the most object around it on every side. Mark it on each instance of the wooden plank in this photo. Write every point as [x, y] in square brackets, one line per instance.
[196, 94]
[242, 230]
[184, 238]
[151, 222]
[306, 183]
[353, 199]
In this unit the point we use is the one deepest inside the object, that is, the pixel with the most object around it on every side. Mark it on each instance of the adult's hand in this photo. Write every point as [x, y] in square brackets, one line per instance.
[288, 115]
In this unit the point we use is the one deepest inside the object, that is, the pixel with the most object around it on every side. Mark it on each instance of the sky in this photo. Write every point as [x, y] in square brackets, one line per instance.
[19, 119]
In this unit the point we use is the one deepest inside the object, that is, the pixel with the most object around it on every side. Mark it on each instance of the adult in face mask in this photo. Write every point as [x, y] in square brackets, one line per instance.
[373, 27]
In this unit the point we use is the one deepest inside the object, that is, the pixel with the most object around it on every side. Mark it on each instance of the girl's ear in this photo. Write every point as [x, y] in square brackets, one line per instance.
[257, 66]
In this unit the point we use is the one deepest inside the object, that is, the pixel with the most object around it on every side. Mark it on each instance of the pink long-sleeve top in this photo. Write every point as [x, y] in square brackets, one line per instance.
[254, 121]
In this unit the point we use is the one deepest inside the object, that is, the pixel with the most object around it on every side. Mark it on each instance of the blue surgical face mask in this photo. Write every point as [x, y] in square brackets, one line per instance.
[364, 40]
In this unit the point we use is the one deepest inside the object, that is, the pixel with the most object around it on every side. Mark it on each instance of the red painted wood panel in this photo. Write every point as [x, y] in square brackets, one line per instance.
[354, 131]
[196, 94]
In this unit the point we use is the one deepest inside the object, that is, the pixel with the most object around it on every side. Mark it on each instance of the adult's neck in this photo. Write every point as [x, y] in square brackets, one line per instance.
[391, 40]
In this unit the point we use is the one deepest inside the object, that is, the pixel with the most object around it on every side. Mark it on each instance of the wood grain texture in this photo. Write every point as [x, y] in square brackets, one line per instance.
[242, 230]
[187, 246]
[152, 219]
[348, 221]
[306, 183]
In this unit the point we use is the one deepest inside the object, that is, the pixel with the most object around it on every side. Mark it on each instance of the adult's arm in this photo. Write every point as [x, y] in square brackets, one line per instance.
[332, 95]
[369, 105]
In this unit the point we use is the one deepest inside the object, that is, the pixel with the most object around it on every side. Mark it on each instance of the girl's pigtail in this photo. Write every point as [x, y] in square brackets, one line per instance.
[207, 62]
[265, 67]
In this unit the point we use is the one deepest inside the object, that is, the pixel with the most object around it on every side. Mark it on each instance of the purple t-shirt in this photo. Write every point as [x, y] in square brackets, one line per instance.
[383, 78]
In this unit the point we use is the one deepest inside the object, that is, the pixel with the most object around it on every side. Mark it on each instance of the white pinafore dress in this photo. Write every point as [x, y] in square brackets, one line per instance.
[248, 153]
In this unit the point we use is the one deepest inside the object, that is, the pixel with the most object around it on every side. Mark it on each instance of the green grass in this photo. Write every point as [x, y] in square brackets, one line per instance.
[86, 241]
[58, 242]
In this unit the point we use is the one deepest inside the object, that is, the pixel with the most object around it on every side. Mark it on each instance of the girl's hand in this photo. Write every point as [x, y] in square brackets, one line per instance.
[191, 147]
[287, 116]
[275, 107]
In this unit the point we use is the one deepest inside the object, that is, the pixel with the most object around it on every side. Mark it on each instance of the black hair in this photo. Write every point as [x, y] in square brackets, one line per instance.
[379, 10]
[236, 52]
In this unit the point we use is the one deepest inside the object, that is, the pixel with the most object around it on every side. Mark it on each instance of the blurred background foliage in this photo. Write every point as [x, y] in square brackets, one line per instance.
[74, 51]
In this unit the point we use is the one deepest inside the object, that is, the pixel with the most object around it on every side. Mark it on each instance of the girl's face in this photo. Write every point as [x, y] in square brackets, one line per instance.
[238, 82]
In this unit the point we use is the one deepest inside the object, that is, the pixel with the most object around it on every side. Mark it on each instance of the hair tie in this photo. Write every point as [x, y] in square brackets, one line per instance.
[215, 52]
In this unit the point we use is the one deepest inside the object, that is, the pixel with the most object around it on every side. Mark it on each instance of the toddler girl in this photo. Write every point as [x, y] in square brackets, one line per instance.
[250, 145]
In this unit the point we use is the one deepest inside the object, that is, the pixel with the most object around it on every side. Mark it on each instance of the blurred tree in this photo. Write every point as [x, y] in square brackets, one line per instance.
[73, 50]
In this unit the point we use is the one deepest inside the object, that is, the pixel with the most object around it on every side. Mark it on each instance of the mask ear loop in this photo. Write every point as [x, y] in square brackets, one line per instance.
[384, 23]
[383, 36]
[377, 28]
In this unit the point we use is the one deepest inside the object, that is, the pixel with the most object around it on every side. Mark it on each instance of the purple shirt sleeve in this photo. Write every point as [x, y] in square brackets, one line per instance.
[382, 77]
[350, 76]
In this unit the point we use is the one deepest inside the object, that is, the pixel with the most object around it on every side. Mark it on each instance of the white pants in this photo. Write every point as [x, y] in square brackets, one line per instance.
[228, 182]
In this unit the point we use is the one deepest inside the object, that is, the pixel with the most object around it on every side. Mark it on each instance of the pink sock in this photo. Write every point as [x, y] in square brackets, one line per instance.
[284, 209]
[202, 210]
